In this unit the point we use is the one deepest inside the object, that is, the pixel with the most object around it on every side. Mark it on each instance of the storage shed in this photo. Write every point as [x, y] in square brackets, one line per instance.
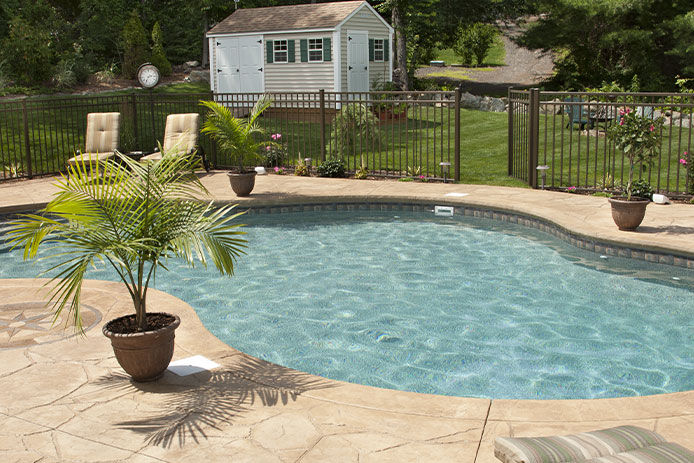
[337, 46]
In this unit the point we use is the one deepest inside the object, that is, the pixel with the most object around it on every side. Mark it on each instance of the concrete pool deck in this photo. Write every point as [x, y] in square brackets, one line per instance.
[66, 399]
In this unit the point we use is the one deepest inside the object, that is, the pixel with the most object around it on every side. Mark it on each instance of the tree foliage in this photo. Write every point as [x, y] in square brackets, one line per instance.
[475, 40]
[158, 54]
[135, 45]
[612, 40]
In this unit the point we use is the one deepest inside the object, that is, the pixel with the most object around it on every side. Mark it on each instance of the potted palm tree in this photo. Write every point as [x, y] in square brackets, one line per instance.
[638, 137]
[239, 139]
[132, 217]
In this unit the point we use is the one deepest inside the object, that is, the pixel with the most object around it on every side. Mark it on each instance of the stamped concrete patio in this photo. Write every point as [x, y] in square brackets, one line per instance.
[65, 398]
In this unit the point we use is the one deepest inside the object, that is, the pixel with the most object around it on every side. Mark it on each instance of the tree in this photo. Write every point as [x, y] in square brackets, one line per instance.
[606, 40]
[158, 55]
[135, 46]
[475, 40]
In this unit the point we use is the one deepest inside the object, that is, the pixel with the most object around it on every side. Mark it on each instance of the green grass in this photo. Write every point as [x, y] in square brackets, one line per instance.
[495, 57]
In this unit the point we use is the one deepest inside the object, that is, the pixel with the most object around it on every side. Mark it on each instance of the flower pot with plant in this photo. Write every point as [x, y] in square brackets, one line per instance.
[133, 217]
[239, 139]
[637, 137]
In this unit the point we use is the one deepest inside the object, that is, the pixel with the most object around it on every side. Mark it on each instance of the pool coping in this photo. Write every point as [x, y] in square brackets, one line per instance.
[478, 420]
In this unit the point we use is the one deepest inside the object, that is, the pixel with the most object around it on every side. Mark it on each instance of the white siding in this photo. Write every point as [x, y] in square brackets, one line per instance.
[298, 76]
[365, 20]
[213, 64]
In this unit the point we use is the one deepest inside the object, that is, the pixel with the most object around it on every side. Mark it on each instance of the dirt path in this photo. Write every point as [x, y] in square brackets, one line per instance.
[523, 68]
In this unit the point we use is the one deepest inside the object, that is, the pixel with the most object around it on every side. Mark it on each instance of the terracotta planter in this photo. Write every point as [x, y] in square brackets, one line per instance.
[143, 355]
[242, 183]
[628, 215]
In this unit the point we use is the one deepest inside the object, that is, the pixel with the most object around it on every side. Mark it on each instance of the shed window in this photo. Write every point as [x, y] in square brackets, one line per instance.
[315, 50]
[379, 50]
[281, 51]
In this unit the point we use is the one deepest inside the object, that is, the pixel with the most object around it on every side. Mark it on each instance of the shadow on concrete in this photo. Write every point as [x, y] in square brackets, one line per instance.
[196, 403]
[667, 229]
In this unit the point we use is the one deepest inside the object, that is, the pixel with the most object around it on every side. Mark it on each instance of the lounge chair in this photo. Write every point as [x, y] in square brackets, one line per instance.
[577, 113]
[180, 135]
[103, 130]
[623, 444]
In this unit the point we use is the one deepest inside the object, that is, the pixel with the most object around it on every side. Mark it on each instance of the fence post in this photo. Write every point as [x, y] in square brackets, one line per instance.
[510, 133]
[533, 135]
[322, 124]
[457, 134]
[133, 104]
[25, 120]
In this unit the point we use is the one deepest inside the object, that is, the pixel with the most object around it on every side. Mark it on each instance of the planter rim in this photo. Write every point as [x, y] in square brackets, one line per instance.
[110, 334]
[247, 172]
[623, 199]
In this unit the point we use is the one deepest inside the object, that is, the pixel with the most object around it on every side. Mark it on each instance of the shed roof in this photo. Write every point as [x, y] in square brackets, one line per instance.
[287, 18]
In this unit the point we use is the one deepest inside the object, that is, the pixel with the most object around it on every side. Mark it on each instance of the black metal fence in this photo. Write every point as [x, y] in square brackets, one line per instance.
[384, 133]
[567, 132]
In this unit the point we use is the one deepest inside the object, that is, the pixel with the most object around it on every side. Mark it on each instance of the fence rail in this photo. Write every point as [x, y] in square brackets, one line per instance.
[387, 133]
[567, 132]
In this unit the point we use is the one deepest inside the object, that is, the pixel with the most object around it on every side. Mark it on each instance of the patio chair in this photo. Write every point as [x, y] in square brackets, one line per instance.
[180, 135]
[623, 444]
[577, 113]
[103, 131]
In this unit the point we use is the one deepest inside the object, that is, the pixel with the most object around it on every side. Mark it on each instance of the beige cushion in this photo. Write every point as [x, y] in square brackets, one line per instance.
[181, 133]
[103, 130]
[151, 157]
[91, 156]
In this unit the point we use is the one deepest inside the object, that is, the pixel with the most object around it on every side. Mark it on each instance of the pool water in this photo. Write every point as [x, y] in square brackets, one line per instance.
[453, 306]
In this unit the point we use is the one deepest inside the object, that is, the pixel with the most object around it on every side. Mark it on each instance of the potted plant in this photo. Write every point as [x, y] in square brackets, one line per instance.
[132, 217]
[239, 139]
[638, 137]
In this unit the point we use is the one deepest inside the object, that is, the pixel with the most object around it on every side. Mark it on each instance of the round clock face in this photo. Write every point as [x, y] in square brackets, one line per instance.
[148, 75]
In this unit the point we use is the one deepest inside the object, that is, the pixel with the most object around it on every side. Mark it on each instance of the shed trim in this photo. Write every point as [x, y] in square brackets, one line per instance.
[358, 9]
[295, 31]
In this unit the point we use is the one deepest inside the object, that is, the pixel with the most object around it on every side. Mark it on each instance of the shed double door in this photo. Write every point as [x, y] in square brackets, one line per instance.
[240, 64]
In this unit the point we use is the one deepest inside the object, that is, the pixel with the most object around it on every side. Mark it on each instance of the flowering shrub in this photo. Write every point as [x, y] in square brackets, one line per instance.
[687, 162]
[275, 152]
[638, 137]
[571, 189]
[279, 170]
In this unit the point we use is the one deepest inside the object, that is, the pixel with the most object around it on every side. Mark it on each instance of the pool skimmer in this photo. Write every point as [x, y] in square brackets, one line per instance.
[443, 211]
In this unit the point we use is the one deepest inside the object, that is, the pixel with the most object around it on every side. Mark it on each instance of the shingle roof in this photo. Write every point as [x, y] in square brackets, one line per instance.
[286, 18]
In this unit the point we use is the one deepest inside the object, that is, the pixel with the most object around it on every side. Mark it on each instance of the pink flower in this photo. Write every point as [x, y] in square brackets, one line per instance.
[277, 169]
[683, 162]
[621, 122]
[421, 177]
[268, 148]
[571, 189]
[276, 136]
[652, 128]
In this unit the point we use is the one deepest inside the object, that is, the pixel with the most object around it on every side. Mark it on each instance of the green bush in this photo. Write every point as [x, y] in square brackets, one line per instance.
[642, 189]
[333, 168]
[64, 74]
[27, 52]
[475, 40]
[135, 46]
[158, 55]
[354, 126]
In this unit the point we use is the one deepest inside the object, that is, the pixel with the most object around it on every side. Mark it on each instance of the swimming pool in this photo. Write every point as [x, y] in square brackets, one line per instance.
[455, 306]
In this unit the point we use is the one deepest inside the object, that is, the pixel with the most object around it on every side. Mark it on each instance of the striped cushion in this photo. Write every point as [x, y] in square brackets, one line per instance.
[181, 132]
[659, 453]
[102, 132]
[575, 447]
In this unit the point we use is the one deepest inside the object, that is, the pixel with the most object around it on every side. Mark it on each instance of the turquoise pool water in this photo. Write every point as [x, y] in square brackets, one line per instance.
[453, 306]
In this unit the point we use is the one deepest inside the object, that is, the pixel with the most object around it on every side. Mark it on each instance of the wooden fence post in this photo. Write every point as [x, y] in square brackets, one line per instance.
[533, 135]
[322, 124]
[25, 120]
[457, 134]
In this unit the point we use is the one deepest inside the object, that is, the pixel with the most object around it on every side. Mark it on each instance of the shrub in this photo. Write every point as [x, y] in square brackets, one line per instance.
[642, 189]
[27, 52]
[333, 168]
[361, 173]
[158, 55]
[354, 126]
[475, 40]
[301, 170]
[64, 75]
[135, 46]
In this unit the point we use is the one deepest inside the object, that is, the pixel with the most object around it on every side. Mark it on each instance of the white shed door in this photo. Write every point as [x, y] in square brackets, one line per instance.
[240, 64]
[228, 72]
[357, 61]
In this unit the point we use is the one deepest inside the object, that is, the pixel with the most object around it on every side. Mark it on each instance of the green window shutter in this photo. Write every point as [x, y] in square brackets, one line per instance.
[270, 50]
[371, 49]
[291, 50]
[303, 44]
[386, 50]
[327, 52]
